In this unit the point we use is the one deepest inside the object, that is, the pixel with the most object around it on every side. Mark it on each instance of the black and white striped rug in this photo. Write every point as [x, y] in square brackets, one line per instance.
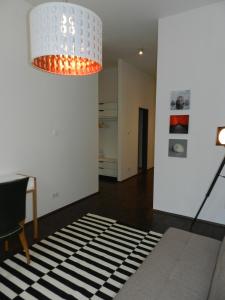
[89, 259]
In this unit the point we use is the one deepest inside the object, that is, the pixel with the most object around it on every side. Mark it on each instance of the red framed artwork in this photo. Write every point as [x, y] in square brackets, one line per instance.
[179, 124]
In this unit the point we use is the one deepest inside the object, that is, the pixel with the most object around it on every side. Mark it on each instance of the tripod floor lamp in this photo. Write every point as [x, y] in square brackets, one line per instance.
[220, 141]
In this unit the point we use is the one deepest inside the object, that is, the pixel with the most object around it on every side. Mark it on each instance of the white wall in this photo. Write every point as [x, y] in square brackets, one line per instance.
[191, 55]
[48, 123]
[135, 89]
[108, 85]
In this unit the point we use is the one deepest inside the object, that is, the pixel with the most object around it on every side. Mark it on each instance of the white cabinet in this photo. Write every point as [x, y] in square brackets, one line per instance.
[107, 110]
[108, 122]
[108, 145]
[108, 167]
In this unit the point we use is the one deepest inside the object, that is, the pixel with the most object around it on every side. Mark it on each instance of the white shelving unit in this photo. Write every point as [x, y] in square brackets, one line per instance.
[108, 166]
[108, 110]
[108, 123]
[108, 139]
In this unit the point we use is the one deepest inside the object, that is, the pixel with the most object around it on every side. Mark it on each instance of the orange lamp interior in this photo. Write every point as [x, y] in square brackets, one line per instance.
[66, 65]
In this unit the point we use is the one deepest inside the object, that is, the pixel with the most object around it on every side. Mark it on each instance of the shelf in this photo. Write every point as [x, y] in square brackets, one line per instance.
[108, 172]
[108, 118]
[108, 103]
[108, 110]
[107, 159]
[108, 166]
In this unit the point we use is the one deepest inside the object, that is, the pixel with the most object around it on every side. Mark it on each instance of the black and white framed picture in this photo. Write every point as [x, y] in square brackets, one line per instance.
[177, 148]
[180, 100]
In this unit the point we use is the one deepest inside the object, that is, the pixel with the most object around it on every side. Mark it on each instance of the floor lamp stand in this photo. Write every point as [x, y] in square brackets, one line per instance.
[208, 192]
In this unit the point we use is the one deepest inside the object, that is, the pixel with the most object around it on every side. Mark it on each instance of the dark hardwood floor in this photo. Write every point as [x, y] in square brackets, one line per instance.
[130, 202]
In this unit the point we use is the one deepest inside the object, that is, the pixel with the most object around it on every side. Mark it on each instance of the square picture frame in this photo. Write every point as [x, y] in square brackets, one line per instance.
[179, 124]
[177, 148]
[180, 100]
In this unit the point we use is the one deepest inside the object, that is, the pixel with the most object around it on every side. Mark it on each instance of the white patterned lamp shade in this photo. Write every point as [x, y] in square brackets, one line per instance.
[66, 39]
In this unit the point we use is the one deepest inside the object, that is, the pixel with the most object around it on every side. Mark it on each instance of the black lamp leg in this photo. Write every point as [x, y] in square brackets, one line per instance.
[208, 192]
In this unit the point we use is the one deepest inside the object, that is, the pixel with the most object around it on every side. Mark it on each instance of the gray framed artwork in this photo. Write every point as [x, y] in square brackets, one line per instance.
[180, 100]
[177, 148]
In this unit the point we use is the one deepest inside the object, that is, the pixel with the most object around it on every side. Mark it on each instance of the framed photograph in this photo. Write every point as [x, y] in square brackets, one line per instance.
[177, 148]
[179, 124]
[180, 100]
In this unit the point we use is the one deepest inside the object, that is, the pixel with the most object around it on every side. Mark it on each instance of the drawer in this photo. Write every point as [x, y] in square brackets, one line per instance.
[107, 113]
[108, 110]
[108, 106]
[108, 165]
[107, 172]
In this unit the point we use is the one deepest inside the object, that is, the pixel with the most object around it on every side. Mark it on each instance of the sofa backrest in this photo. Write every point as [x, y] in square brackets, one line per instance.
[217, 290]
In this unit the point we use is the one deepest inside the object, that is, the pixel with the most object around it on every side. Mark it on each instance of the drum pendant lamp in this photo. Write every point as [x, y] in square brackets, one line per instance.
[66, 39]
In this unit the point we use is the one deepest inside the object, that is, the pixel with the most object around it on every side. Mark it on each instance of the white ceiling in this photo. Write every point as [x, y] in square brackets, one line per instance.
[129, 25]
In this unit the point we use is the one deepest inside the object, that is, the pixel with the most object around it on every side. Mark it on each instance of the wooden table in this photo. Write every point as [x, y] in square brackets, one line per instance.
[31, 189]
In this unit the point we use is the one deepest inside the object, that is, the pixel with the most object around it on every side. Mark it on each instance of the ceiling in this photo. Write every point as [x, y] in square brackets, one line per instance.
[129, 25]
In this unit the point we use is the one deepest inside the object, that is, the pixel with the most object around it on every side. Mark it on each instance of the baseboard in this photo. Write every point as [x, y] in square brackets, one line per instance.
[156, 211]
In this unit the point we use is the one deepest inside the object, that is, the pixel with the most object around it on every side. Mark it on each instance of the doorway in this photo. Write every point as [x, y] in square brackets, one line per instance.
[143, 140]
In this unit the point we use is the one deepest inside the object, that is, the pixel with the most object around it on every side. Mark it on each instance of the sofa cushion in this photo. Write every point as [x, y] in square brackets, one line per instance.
[217, 291]
[180, 267]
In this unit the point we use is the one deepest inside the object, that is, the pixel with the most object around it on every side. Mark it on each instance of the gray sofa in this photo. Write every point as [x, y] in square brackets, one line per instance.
[183, 266]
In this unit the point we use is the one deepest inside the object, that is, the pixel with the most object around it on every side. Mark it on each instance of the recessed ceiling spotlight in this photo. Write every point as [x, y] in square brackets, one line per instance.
[140, 52]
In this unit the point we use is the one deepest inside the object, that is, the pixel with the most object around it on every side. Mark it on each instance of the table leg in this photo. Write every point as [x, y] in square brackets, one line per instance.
[35, 221]
[6, 246]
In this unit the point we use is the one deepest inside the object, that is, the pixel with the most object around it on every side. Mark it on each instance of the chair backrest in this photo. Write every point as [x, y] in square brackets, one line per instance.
[12, 204]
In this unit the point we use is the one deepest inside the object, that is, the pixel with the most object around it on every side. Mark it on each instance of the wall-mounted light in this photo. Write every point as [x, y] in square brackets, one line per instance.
[220, 137]
[66, 39]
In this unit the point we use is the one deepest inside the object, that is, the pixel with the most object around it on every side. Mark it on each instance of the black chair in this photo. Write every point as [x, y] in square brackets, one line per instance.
[13, 211]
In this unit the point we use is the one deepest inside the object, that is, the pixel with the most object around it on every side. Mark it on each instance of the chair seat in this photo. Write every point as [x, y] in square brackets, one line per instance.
[14, 231]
